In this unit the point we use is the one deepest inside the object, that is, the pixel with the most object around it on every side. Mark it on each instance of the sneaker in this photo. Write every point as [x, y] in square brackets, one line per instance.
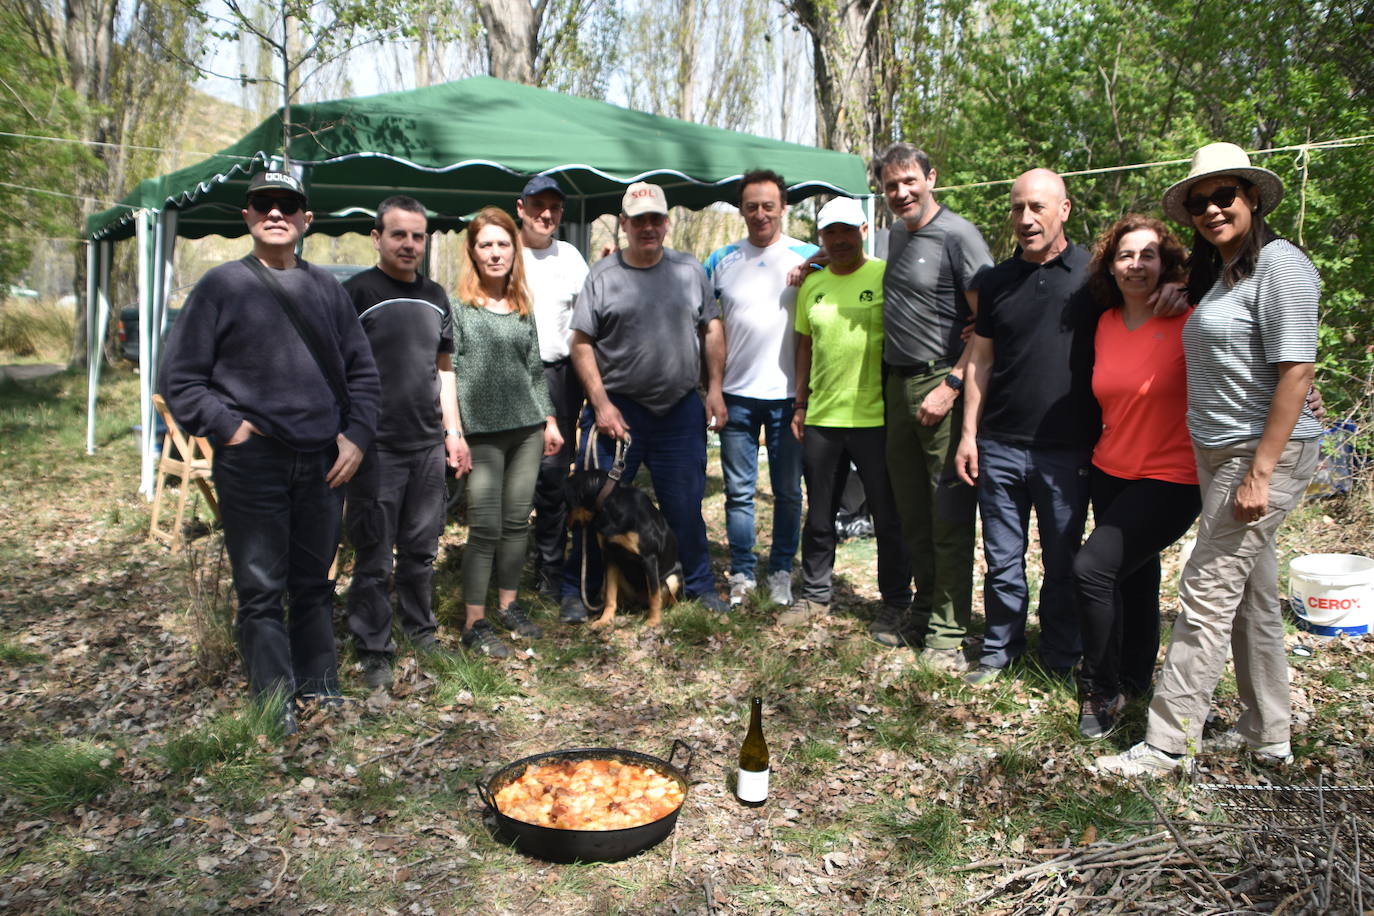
[286, 719]
[482, 639]
[1141, 760]
[1097, 715]
[740, 587]
[889, 627]
[1279, 753]
[982, 675]
[804, 611]
[712, 602]
[951, 661]
[512, 617]
[376, 670]
[780, 587]
[572, 610]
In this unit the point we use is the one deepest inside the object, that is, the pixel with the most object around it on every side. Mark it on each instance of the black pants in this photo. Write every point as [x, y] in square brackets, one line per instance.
[550, 508]
[826, 454]
[1117, 575]
[281, 528]
[395, 500]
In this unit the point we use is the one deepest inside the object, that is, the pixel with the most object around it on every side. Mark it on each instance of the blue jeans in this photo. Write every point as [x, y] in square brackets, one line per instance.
[281, 528]
[739, 464]
[1011, 480]
[673, 447]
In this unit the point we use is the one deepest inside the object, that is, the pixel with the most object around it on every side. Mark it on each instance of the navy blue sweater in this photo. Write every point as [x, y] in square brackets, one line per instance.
[234, 355]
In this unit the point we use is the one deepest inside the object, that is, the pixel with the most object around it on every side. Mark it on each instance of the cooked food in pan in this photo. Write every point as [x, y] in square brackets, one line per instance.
[589, 795]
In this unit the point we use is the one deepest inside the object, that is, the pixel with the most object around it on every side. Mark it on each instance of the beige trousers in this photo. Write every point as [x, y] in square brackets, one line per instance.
[1229, 594]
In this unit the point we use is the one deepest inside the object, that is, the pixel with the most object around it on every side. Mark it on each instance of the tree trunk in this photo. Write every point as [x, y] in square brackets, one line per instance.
[512, 28]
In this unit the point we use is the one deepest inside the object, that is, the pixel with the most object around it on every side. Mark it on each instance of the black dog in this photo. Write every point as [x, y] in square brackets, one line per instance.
[638, 547]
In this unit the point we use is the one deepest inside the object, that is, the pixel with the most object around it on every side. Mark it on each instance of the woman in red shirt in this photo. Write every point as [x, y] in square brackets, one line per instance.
[1144, 477]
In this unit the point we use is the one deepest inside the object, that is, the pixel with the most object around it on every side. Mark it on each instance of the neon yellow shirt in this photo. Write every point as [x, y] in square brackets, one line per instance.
[843, 316]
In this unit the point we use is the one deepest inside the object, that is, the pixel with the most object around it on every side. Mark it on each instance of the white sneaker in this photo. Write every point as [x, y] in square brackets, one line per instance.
[780, 587]
[1279, 753]
[740, 587]
[1141, 760]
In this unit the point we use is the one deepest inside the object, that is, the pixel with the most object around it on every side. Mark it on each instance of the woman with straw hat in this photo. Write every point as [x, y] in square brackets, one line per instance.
[1250, 345]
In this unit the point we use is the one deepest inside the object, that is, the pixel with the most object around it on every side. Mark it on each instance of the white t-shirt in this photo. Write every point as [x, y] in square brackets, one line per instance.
[555, 276]
[758, 308]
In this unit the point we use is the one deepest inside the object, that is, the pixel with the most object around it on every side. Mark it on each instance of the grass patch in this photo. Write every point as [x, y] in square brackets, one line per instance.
[58, 775]
[460, 671]
[927, 836]
[693, 624]
[12, 654]
[34, 329]
[230, 738]
[1108, 809]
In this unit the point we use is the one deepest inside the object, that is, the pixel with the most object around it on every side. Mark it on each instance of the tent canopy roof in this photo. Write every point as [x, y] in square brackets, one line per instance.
[463, 145]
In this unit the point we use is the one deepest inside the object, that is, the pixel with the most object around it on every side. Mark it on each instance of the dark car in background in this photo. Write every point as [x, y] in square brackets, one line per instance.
[128, 317]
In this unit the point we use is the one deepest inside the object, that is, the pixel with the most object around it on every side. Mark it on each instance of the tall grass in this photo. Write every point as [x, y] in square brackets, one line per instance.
[36, 329]
[57, 775]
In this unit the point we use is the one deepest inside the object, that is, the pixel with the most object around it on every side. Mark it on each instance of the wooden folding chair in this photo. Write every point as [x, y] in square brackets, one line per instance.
[188, 459]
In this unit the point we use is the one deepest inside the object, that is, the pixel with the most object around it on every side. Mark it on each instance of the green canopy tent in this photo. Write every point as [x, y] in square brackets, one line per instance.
[456, 147]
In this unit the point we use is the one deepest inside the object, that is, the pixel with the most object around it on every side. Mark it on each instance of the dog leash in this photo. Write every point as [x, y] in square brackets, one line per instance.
[616, 472]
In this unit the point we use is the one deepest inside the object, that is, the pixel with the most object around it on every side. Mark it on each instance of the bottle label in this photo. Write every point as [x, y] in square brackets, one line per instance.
[752, 785]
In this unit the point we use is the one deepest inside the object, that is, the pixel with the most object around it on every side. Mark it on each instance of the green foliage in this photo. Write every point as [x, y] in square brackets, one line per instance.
[1014, 84]
[11, 654]
[35, 329]
[229, 738]
[929, 835]
[57, 775]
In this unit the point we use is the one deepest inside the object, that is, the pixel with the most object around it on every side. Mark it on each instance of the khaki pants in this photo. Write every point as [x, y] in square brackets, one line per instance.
[1229, 594]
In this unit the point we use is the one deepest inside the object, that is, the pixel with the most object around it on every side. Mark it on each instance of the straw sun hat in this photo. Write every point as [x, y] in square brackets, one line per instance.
[1223, 159]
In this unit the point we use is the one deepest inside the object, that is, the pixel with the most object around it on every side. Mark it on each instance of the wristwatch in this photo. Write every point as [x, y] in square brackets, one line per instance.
[453, 432]
[954, 382]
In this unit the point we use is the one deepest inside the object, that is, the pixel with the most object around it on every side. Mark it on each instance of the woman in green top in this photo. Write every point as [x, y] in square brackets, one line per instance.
[504, 402]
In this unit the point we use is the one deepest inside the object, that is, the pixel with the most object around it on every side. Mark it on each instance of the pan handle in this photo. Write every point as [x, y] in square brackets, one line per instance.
[484, 793]
[686, 765]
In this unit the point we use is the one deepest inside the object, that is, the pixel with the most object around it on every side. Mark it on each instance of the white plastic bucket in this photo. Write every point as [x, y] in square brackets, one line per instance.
[1333, 593]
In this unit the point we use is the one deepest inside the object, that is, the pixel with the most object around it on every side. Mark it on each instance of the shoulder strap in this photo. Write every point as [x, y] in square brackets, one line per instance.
[308, 334]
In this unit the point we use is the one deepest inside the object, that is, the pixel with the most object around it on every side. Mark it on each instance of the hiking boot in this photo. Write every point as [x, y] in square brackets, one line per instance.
[712, 602]
[1280, 753]
[424, 642]
[982, 675]
[376, 670]
[1097, 715]
[548, 582]
[1141, 760]
[950, 661]
[481, 639]
[804, 611]
[889, 629]
[740, 587]
[780, 587]
[572, 610]
[512, 617]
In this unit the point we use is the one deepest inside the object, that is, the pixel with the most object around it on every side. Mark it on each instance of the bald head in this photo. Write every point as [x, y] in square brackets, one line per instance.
[1039, 207]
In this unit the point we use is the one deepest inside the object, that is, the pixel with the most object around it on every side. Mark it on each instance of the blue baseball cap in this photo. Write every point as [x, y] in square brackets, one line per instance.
[541, 183]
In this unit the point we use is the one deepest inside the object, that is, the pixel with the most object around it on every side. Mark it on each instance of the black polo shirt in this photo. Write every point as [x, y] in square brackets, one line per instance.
[1041, 320]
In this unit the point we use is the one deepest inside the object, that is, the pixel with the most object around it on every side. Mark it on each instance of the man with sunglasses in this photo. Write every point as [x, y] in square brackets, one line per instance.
[238, 371]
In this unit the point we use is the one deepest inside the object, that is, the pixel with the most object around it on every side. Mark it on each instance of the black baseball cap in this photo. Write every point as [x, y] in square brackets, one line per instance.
[278, 181]
[541, 183]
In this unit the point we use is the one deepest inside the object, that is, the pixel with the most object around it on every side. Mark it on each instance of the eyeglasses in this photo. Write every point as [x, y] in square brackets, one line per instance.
[265, 204]
[1196, 205]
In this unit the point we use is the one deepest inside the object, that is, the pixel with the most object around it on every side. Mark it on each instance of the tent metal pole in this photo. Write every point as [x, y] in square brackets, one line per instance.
[146, 240]
[93, 348]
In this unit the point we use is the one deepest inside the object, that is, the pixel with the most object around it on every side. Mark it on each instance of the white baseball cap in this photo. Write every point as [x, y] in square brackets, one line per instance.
[845, 210]
[643, 197]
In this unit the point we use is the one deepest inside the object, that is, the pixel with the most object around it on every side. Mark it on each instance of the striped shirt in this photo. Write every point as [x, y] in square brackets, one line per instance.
[1236, 337]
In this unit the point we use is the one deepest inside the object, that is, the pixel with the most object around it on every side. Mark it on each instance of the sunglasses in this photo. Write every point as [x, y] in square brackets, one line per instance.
[287, 205]
[1196, 205]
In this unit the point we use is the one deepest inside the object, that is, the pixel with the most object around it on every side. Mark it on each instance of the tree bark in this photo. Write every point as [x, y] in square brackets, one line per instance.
[512, 28]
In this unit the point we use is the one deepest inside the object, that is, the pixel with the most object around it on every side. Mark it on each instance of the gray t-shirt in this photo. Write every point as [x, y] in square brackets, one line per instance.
[1234, 339]
[924, 309]
[644, 324]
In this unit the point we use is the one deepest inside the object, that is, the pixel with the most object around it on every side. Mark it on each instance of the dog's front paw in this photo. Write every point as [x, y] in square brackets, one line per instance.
[601, 623]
